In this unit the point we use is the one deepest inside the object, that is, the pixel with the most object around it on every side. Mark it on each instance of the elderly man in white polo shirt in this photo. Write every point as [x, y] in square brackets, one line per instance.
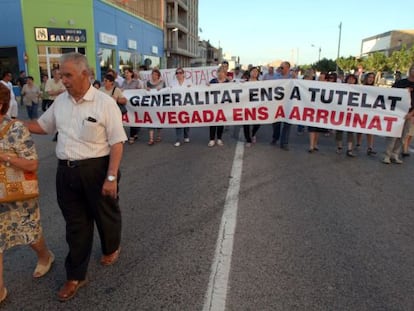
[89, 150]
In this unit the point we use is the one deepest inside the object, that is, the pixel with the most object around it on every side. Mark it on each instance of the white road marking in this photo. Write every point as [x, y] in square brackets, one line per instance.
[215, 298]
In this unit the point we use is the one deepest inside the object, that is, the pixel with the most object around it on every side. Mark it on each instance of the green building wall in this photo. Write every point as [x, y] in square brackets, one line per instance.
[67, 14]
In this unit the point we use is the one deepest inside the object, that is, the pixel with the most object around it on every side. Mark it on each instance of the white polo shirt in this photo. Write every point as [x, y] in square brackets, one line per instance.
[86, 128]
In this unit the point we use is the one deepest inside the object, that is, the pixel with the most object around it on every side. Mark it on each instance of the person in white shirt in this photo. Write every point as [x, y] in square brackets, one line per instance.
[54, 87]
[180, 82]
[13, 107]
[89, 149]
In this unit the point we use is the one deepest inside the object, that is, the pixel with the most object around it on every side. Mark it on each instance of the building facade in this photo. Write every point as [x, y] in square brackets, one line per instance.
[387, 42]
[181, 32]
[39, 32]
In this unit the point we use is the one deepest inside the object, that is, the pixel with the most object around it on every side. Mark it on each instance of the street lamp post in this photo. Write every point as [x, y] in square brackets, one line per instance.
[319, 52]
[339, 46]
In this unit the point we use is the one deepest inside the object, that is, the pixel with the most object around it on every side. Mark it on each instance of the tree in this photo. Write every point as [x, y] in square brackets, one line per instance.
[325, 65]
[376, 62]
[347, 64]
[401, 60]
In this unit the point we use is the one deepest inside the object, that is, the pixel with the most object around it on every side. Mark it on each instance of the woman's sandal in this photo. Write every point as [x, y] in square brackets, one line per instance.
[41, 270]
[350, 154]
[158, 139]
[150, 142]
[3, 295]
[132, 139]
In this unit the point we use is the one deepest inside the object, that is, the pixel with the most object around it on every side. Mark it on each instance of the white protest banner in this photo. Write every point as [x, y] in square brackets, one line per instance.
[197, 75]
[354, 108]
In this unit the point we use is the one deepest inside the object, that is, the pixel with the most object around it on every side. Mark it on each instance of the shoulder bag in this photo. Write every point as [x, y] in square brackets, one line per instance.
[121, 107]
[16, 184]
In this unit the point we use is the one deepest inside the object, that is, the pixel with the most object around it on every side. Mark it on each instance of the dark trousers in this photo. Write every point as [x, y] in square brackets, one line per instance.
[46, 103]
[246, 131]
[79, 197]
[216, 130]
[282, 135]
[133, 131]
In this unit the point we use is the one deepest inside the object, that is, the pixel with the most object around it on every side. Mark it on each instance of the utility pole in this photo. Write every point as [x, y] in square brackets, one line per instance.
[339, 46]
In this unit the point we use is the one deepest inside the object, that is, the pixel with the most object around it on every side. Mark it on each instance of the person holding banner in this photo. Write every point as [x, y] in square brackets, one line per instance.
[350, 79]
[314, 131]
[217, 131]
[394, 144]
[229, 74]
[180, 82]
[110, 88]
[369, 79]
[281, 130]
[155, 83]
[130, 83]
[250, 133]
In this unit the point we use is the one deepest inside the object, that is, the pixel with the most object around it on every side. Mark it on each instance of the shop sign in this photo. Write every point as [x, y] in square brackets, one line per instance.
[132, 44]
[107, 38]
[60, 35]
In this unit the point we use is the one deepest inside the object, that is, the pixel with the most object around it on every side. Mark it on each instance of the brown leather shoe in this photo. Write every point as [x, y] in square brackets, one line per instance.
[110, 259]
[69, 289]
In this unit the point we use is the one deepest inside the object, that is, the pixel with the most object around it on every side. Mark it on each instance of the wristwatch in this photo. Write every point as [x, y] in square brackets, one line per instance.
[7, 163]
[111, 178]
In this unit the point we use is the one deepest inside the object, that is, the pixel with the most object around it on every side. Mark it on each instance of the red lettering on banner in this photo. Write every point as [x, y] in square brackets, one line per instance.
[146, 118]
[250, 114]
[238, 114]
[308, 114]
[172, 117]
[220, 116]
[340, 117]
[196, 118]
[208, 115]
[322, 116]
[161, 116]
[389, 121]
[263, 113]
[280, 112]
[295, 114]
[360, 122]
[375, 123]
[184, 117]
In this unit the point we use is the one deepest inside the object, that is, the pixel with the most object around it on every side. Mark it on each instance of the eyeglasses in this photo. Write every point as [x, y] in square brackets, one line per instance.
[179, 72]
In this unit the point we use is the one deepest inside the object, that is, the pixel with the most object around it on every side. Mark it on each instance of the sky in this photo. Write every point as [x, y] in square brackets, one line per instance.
[263, 31]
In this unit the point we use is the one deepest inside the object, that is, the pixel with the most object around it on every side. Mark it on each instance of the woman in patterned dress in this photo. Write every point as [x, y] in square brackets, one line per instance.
[20, 220]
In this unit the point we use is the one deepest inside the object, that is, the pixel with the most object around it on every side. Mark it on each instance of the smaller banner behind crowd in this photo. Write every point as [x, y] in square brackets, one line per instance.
[195, 75]
[338, 106]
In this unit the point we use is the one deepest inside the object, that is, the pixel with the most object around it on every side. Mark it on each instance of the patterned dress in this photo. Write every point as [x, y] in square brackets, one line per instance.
[19, 221]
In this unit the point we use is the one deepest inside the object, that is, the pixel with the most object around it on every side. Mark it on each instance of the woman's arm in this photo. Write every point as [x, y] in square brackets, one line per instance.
[21, 163]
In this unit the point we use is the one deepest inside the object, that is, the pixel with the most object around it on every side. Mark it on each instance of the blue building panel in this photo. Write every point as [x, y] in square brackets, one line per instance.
[109, 20]
[12, 34]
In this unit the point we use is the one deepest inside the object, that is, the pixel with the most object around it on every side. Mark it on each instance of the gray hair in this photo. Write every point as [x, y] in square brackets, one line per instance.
[78, 59]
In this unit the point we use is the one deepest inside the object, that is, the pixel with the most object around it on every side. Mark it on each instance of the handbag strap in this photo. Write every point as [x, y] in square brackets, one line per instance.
[113, 91]
[6, 128]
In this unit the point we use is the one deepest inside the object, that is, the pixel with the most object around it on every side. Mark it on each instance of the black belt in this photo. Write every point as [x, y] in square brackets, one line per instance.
[85, 162]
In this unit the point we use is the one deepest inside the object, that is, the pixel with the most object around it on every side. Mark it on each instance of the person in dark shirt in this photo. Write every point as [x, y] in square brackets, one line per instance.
[394, 144]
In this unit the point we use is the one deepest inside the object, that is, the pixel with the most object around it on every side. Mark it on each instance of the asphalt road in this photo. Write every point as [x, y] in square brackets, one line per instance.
[314, 231]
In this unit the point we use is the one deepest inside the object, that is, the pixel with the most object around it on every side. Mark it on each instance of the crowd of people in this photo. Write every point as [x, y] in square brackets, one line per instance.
[281, 130]
[87, 114]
